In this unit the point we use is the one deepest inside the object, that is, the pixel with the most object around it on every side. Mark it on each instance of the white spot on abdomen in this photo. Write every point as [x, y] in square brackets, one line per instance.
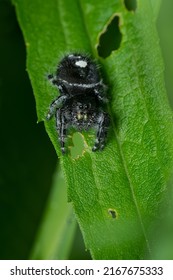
[81, 63]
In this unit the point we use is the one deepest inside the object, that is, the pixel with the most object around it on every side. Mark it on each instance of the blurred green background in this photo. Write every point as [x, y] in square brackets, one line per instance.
[27, 157]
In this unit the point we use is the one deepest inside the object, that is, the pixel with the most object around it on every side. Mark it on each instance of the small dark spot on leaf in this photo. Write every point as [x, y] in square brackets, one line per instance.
[131, 5]
[113, 213]
[110, 39]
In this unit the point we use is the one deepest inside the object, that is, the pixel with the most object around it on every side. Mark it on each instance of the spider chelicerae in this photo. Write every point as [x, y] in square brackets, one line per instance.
[82, 99]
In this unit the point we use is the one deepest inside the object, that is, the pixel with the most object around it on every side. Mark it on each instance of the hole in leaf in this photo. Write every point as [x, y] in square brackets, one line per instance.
[113, 213]
[131, 5]
[111, 38]
[78, 145]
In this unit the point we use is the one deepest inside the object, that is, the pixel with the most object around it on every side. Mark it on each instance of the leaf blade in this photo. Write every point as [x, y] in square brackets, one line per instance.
[133, 184]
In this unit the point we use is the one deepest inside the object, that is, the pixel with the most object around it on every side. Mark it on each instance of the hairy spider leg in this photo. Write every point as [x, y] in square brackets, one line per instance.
[61, 125]
[100, 96]
[56, 104]
[102, 128]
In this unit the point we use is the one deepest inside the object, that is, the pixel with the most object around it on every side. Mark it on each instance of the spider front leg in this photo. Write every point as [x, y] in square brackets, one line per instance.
[56, 104]
[102, 128]
[61, 126]
[99, 92]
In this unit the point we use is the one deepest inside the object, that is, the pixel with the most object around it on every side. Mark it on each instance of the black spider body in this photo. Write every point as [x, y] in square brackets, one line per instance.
[82, 99]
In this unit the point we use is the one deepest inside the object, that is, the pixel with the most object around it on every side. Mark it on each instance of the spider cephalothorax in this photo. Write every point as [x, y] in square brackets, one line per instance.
[82, 99]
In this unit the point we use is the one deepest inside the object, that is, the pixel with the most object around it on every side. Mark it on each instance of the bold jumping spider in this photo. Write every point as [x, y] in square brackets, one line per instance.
[81, 101]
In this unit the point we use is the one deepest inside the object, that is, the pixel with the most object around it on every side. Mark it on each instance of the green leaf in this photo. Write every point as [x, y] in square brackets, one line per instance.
[116, 193]
[58, 225]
